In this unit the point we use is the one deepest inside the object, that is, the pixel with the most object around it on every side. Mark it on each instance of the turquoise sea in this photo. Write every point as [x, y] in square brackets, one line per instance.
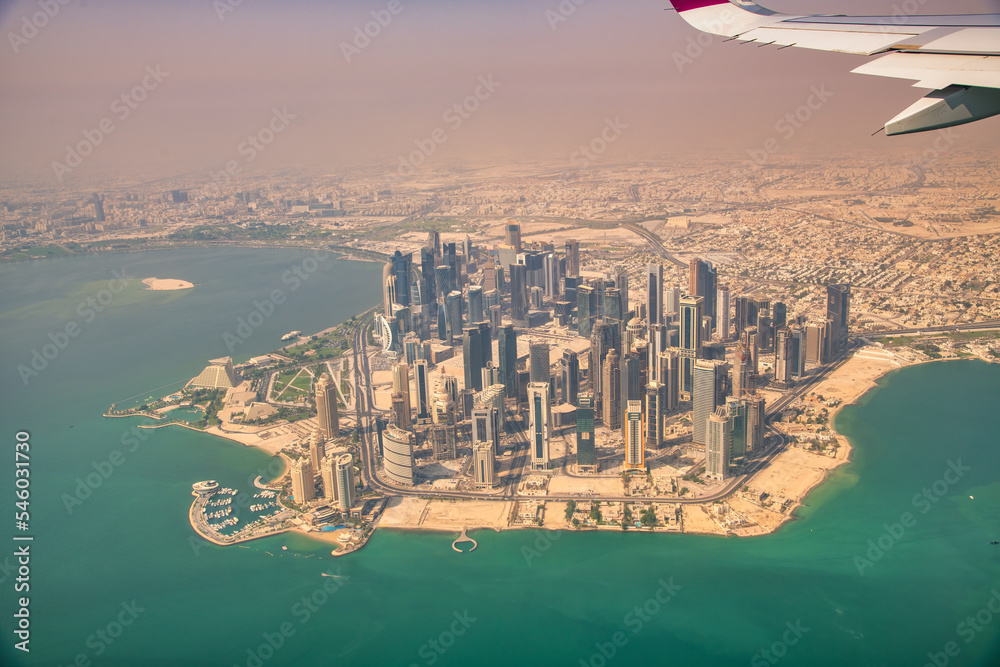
[876, 571]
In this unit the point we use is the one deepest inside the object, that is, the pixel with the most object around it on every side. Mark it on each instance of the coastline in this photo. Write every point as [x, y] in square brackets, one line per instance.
[790, 477]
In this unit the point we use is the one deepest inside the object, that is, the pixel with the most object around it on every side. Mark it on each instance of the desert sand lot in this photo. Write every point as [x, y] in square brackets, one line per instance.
[606, 486]
[698, 520]
[765, 520]
[450, 515]
[854, 378]
[795, 472]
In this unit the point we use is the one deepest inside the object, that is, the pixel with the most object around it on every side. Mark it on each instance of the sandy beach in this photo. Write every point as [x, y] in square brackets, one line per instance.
[166, 284]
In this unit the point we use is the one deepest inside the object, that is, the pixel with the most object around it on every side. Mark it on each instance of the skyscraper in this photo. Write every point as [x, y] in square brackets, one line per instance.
[635, 452]
[656, 336]
[798, 360]
[453, 306]
[484, 460]
[344, 479]
[486, 343]
[491, 376]
[736, 410]
[388, 289]
[401, 269]
[442, 322]
[756, 416]
[472, 358]
[838, 307]
[656, 399]
[421, 378]
[586, 454]
[707, 395]
[444, 440]
[690, 334]
[742, 368]
[539, 364]
[572, 257]
[569, 372]
[401, 386]
[433, 242]
[600, 343]
[326, 407]
[621, 283]
[783, 358]
[539, 424]
[512, 235]
[328, 473]
[449, 256]
[475, 304]
[397, 449]
[586, 309]
[486, 426]
[702, 281]
[654, 294]
[611, 397]
[613, 309]
[670, 362]
[427, 260]
[718, 449]
[553, 272]
[634, 332]
[490, 277]
[519, 295]
[722, 321]
[779, 314]
[317, 449]
[496, 319]
[442, 280]
[507, 351]
[98, 201]
[816, 342]
[764, 332]
[303, 481]
[672, 301]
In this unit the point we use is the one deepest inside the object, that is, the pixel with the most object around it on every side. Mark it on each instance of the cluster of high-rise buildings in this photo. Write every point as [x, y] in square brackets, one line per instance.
[322, 475]
[697, 345]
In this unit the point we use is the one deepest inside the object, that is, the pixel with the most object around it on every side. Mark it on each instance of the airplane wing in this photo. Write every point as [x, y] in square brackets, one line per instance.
[956, 57]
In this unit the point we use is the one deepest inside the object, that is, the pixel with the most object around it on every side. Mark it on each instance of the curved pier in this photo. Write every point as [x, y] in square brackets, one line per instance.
[463, 538]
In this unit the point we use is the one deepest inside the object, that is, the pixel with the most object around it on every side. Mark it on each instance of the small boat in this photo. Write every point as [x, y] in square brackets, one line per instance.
[995, 542]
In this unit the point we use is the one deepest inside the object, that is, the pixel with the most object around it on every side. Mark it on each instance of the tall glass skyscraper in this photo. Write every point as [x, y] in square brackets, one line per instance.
[507, 363]
[539, 424]
[586, 454]
[476, 304]
[635, 452]
[690, 334]
[709, 383]
[654, 294]
[472, 358]
[718, 449]
[585, 309]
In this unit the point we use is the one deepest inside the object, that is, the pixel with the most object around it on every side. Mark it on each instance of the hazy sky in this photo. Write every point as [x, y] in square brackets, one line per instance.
[227, 71]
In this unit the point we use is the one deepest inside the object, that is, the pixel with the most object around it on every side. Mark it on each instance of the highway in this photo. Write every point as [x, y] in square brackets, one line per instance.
[943, 329]
[654, 241]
